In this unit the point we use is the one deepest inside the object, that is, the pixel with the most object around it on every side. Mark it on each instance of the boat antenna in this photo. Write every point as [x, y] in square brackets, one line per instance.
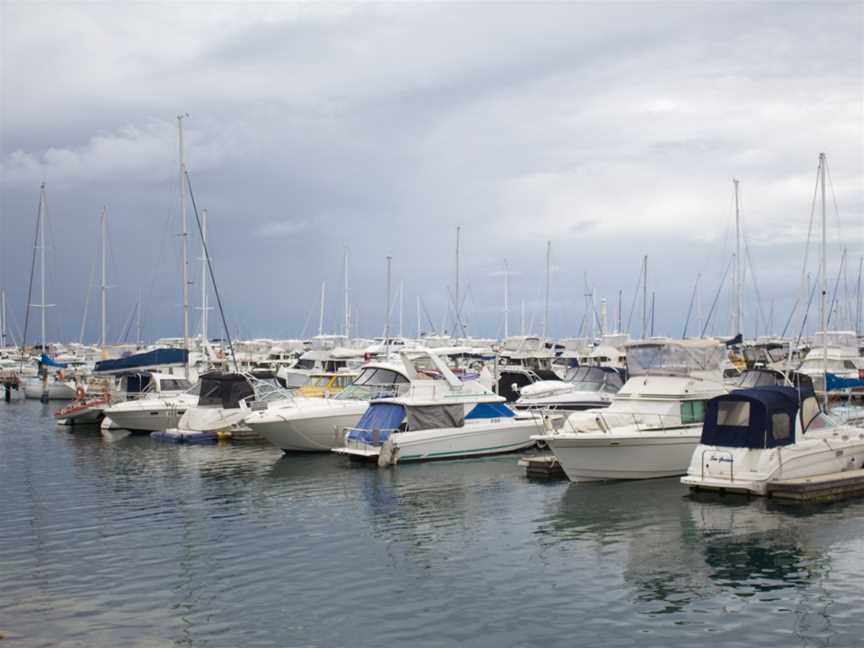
[212, 275]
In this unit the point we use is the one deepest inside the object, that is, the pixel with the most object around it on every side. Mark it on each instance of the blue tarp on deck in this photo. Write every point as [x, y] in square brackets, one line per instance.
[377, 422]
[490, 410]
[45, 361]
[836, 383]
[138, 361]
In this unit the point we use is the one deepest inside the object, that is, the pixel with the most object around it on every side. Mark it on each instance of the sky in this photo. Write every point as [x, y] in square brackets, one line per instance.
[612, 130]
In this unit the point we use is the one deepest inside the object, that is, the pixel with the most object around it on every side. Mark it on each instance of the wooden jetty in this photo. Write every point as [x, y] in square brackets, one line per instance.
[825, 488]
[542, 467]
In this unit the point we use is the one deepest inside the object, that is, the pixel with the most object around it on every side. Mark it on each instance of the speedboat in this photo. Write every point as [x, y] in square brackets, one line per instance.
[297, 424]
[755, 437]
[224, 402]
[582, 388]
[834, 352]
[654, 421]
[523, 360]
[440, 417]
[326, 384]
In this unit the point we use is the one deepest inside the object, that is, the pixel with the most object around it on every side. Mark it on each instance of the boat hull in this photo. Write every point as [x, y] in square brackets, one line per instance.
[641, 455]
[471, 440]
[56, 390]
[145, 420]
[314, 433]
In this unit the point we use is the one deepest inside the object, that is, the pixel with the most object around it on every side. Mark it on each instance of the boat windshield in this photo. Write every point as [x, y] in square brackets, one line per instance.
[594, 379]
[375, 382]
[677, 359]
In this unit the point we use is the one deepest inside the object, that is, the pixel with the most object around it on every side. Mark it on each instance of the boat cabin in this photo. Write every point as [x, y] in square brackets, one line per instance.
[763, 417]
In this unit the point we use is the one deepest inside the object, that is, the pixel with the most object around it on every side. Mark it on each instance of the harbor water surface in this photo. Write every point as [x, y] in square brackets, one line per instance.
[131, 543]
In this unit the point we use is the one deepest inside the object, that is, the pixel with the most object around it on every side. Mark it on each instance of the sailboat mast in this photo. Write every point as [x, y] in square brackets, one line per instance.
[138, 327]
[387, 311]
[104, 285]
[737, 262]
[419, 324]
[401, 305]
[644, 296]
[523, 318]
[184, 235]
[2, 318]
[347, 308]
[823, 280]
[204, 260]
[546, 300]
[43, 305]
[321, 311]
[458, 273]
[506, 300]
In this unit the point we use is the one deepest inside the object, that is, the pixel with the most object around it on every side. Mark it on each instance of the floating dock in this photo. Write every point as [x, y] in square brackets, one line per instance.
[542, 467]
[825, 488]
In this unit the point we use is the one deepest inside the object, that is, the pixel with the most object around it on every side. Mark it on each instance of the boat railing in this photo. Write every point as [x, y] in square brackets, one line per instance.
[641, 421]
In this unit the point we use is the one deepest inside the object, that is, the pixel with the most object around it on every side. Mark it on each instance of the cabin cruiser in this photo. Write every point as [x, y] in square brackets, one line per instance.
[582, 388]
[113, 391]
[834, 352]
[440, 417]
[754, 437]
[523, 360]
[298, 424]
[224, 402]
[328, 353]
[654, 421]
[326, 384]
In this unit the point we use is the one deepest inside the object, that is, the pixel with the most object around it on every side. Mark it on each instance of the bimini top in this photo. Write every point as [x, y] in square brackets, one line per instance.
[141, 361]
[763, 417]
[224, 390]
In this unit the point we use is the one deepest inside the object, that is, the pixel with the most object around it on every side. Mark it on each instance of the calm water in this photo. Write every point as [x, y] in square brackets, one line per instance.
[129, 543]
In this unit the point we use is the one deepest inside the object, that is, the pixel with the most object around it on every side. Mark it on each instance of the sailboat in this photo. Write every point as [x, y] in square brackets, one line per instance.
[52, 383]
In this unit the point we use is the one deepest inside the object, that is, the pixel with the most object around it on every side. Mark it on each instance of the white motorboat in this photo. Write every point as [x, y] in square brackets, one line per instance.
[754, 437]
[654, 421]
[834, 352]
[152, 404]
[50, 387]
[582, 388]
[224, 402]
[523, 360]
[299, 424]
[440, 417]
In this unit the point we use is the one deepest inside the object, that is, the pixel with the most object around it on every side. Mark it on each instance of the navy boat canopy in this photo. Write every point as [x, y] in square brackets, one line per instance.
[139, 361]
[224, 390]
[837, 383]
[377, 422]
[762, 417]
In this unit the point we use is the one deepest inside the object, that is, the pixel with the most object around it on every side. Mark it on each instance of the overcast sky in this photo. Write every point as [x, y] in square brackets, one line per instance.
[613, 130]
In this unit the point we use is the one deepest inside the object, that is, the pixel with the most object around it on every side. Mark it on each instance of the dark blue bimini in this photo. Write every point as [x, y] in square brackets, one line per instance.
[762, 417]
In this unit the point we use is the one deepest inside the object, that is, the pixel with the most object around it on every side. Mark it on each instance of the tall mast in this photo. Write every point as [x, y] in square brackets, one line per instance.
[401, 306]
[387, 311]
[603, 324]
[506, 300]
[857, 298]
[419, 324]
[458, 272]
[2, 318]
[184, 235]
[644, 296]
[140, 306]
[823, 280]
[523, 317]
[104, 286]
[737, 262]
[618, 327]
[43, 305]
[652, 313]
[204, 308]
[346, 307]
[321, 311]
[546, 301]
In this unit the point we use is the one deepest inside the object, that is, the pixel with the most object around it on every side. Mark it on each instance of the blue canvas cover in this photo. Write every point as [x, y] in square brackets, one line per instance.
[836, 383]
[45, 361]
[138, 361]
[377, 422]
[490, 410]
[758, 431]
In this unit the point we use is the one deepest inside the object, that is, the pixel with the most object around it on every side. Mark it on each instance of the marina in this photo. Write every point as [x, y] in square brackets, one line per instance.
[431, 324]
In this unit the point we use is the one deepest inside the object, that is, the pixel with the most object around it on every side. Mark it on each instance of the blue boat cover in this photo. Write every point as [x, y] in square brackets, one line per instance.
[45, 361]
[836, 383]
[754, 422]
[490, 410]
[131, 363]
[377, 422]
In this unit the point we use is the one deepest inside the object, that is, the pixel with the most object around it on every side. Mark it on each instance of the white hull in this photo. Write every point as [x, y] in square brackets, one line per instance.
[55, 390]
[320, 432]
[471, 440]
[638, 455]
[158, 417]
[752, 471]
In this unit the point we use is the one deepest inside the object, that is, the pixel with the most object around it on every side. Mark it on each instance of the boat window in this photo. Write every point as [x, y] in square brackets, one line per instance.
[809, 411]
[780, 425]
[305, 364]
[848, 364]
[174, 384]
[692, 412]
[733, 413]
